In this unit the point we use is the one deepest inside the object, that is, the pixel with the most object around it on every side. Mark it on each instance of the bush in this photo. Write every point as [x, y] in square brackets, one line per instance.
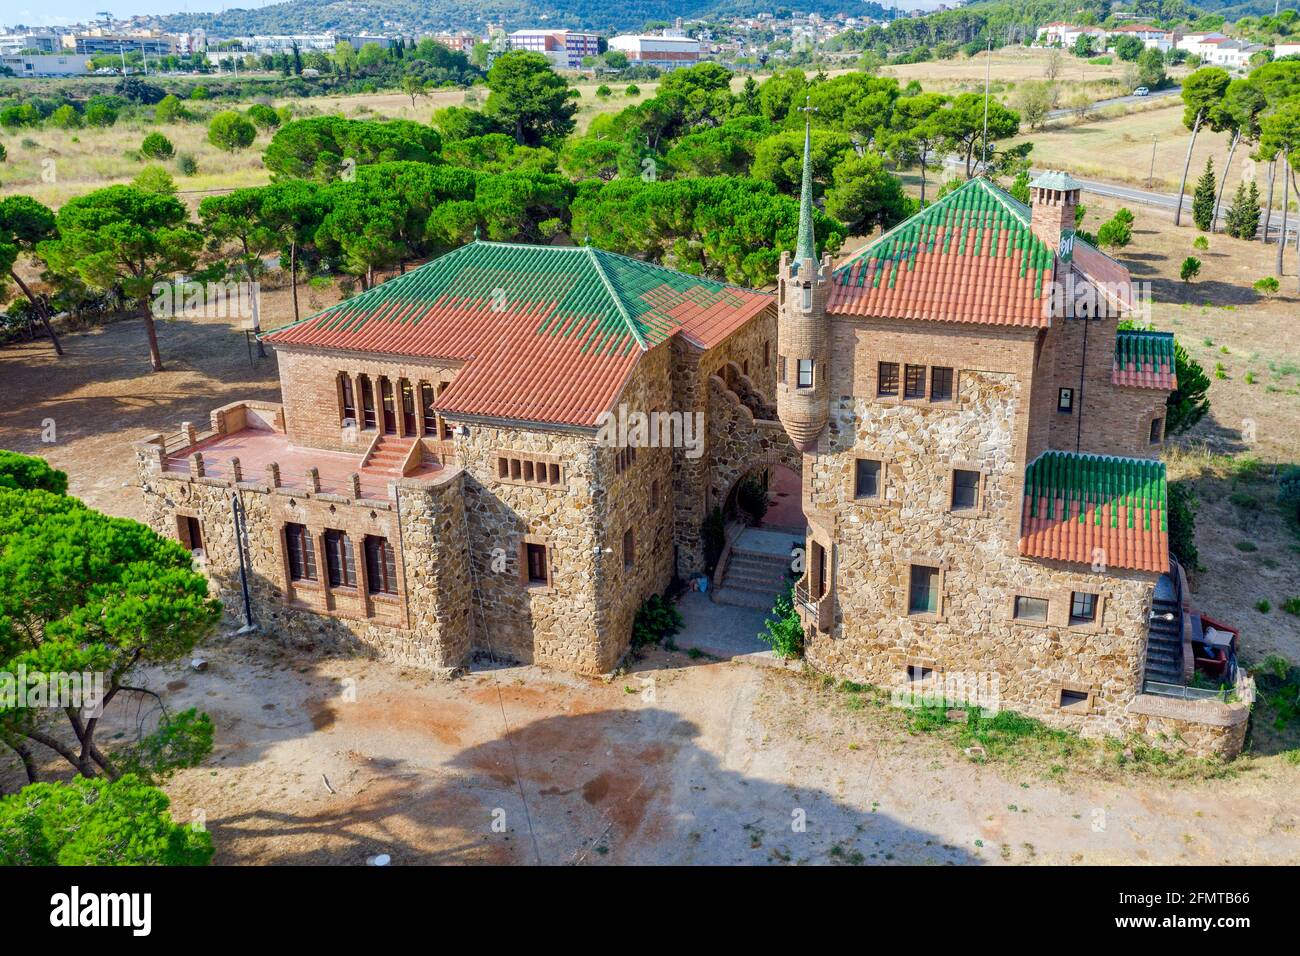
[263, 116]
[101, 114]
[656, 620]
[1190, 269]
[604, 92]
[1292, 606]
[231, 132]
[186, 164]
[1268, 286]
[1262, 606]
[157, 146]
[155, 179]
[1200, 244]
[782, 630]
[65, 117]
[199, 92]
[1115, 234]
[1182, 524]
[169, 110]
[751, 498]
[29, 472]
[1288, 489]
[633, 90]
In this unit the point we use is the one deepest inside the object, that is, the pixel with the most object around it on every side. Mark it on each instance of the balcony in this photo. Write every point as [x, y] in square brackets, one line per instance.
[247, 443]
[815, 612]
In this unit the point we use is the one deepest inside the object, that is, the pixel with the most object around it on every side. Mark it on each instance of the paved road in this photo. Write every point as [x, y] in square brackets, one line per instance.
[1117, 101]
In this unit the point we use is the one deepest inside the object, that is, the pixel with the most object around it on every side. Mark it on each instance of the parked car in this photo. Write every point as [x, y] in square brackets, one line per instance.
[1141, 91]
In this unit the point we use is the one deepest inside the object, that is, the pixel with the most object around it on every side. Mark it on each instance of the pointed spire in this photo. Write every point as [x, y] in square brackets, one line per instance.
[476, 236]
[806, 247]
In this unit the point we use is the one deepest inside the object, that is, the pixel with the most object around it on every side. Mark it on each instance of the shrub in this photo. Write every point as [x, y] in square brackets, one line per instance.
[263, 116]
[1268, 286]
[604, 92]
[65, 117]
[751, 498]
[231, 132]
[1189, 402]
[101, 114]
[29, 472]
[199, 92]
[1200, 244]
[1182, 524]
[1288, 489]
[157, 146]
[1190, 269]
[169, 110]
[1292, 606]
[633, 90]
[155, 179]
[186, 164]
[782, 630]
[1114, 234]
[656, 619]
[1262, 606]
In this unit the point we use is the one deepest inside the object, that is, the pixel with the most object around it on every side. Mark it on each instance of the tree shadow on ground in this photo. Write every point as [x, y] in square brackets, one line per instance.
[612, 786]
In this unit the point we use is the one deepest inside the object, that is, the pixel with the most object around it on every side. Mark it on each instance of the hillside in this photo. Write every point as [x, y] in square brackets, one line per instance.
[413, 16]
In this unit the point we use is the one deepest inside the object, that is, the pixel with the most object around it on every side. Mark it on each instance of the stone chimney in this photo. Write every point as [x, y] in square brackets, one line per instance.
[1053, 197]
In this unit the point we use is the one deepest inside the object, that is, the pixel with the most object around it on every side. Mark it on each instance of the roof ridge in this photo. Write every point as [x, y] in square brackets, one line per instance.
[613, 294]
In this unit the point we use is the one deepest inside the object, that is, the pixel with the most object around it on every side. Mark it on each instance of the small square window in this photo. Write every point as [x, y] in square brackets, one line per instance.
[918, 672]
[805, 379]
[923, 590]
[965, 489]
[1030, 608]
[941, 384]
[887, 378]
[1157, 430]
[866, 479]
[1083, 607]
[1073, 699]
[1065, 401]
[914, 381]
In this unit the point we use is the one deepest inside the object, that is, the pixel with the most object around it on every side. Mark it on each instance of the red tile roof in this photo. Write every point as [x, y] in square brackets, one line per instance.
[1090, 508]
[547, 333]
[968, 257]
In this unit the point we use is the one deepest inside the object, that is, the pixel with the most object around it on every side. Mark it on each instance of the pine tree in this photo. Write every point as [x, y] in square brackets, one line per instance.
[1242, 221]
[1203, 198]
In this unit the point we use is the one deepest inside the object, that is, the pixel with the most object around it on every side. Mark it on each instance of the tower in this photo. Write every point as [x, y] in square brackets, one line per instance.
[802, 331]
[1053, 198]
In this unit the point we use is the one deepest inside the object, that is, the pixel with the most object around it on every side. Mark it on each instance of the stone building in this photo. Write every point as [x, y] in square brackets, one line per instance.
[505, 450]
[985, 503]
[508, 449]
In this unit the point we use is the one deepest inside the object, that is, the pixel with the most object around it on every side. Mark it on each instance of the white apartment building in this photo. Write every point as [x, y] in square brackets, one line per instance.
[665, 53]
[47, 64]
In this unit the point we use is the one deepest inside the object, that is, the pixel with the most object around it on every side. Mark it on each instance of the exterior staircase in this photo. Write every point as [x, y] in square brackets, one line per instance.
[388, 455]
[1165, 642]
[753, 578]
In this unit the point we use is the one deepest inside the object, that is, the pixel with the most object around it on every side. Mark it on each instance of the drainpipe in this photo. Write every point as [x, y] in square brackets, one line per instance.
[241, 546]
[1083, 368]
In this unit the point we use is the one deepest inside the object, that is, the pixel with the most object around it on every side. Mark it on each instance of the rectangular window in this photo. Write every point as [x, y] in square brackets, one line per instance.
[805, 374]
[1083, 607]
[923, 590]
[918, 672]
[1073, 700]
[887, 378]
[189, 532]
[744, 367]
[381, 565]
[349, 400]
[302, 552]
[1156, 425]
[807, 298]
[389, 405]
[654, 495]
[1065, 401]
[408, 406]
[367, 403]
[965, 489]
[767, 354]
[866, 480]
[426, 407]
[914, 381]
[629, 550]
[1030, 608]
[535, 555]
[941, 384]
[339, 560]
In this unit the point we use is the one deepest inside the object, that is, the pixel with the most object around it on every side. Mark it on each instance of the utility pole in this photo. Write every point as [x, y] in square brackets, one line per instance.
[1151, 177]
[988, 68]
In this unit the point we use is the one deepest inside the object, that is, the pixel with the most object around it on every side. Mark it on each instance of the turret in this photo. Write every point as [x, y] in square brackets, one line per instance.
[803, 332]
[1054, 196]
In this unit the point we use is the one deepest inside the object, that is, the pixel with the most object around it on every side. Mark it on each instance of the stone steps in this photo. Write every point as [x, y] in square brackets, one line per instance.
[753, 578]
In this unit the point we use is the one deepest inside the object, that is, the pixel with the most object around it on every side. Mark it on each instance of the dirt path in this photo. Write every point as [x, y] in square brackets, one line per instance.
[676, 762]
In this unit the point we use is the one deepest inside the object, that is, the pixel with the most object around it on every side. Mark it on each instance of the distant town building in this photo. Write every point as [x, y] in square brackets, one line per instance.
[1286, 49]
[47, 64]
[11, 43]
[97, 42]
[1151, 37]
[666, 53]
[564, 48]
[1066, 34]
[462, 42]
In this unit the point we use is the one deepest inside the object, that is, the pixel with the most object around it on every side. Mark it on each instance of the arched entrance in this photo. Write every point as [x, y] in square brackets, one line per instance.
[767, 496]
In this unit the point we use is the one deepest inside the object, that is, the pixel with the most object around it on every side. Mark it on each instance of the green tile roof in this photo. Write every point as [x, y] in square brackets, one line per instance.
[1087, 482]
[1146, 351]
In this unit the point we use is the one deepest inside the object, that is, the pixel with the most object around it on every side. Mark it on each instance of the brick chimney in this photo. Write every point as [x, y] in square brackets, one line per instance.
[1053, 197]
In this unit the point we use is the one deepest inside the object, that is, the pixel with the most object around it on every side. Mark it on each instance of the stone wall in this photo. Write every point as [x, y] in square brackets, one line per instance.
[313, 401]
[874, 639]
[1201, 728]
[425, 624]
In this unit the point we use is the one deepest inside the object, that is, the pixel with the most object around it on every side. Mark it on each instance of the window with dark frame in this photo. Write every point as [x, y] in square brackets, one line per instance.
[1030, 608]
[866, 478]
[535, 557]
[349, 399]
[918, 672]
[941, 384]
[923, 590]
[381, 565]
[367, 403]
[1065, 401]
[805, 374]
[426, 408]
[190, 532]
[339, 561]
[965, 489]
[408, 405]
[914, 381]
[1157, 425]
[887, 378]
[629, 550]
[767, 354]
[301, 551]
[1073, 699]
[1083, 607]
